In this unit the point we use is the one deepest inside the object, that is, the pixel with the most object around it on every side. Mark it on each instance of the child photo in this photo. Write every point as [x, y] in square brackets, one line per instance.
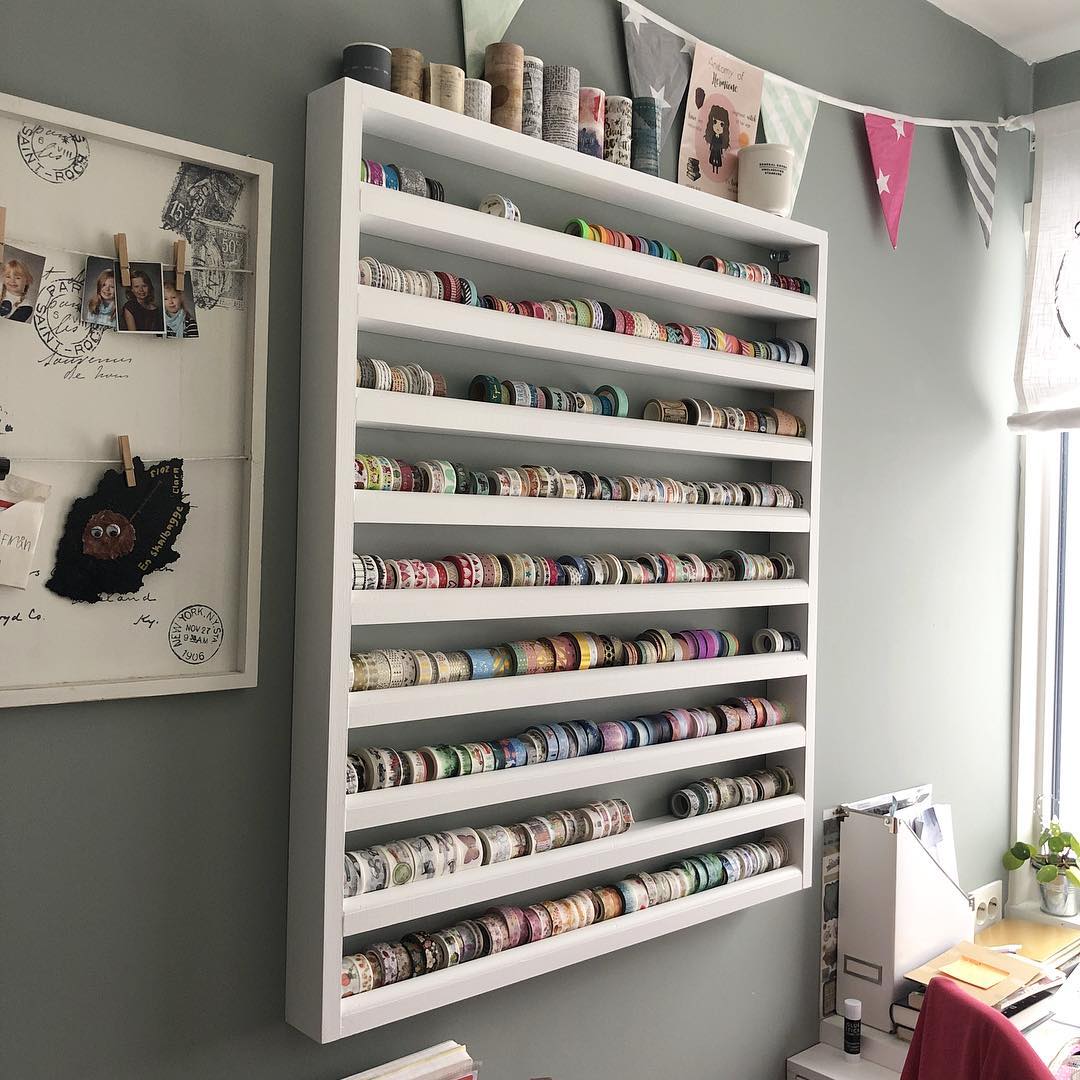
[99, 292]
[180, 321]
[19, 284]
[141, 310]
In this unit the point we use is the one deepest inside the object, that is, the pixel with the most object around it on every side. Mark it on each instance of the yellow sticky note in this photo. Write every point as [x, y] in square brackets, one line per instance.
[975, 973]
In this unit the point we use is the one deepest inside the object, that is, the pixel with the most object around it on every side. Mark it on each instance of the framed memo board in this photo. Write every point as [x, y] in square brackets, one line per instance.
[174, 607]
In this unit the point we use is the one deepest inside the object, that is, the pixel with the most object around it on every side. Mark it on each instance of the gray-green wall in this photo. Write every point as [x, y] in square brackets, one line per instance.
[1057, 81]
[143, 844]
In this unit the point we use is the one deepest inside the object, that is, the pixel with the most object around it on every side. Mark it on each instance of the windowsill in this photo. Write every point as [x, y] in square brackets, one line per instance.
[1030, 910]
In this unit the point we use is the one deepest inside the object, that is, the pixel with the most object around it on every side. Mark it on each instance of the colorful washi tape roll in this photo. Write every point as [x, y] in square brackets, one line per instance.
[591, 121]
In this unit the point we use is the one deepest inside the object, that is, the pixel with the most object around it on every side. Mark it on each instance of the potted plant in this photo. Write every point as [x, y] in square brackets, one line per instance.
[1054, 859]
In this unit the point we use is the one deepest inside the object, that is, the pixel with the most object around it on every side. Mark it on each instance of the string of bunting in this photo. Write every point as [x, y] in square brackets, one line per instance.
[726, 98]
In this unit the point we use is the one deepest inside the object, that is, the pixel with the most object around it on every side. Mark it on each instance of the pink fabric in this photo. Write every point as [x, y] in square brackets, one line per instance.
[891, 142]
[959, 1038]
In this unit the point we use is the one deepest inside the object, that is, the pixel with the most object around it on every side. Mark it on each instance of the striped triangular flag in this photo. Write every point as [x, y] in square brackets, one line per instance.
[483, 23]
[788, 116]
[978, 146]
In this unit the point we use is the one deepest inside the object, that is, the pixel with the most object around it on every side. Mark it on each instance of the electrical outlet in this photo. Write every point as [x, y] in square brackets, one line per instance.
[987, 905]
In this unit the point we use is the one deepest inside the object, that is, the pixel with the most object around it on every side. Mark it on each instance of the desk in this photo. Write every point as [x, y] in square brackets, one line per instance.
[883, 1054]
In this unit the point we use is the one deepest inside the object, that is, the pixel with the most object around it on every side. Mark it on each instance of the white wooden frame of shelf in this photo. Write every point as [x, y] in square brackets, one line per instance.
[387, 1004]
[389, 411]
[338, 212]
[412, 508]
[644, 840]
[423, 319]
[426, 223]
[368, 809]
[388, 607]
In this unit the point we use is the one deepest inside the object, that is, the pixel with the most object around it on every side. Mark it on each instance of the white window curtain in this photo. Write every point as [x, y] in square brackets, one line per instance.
[1048, 362]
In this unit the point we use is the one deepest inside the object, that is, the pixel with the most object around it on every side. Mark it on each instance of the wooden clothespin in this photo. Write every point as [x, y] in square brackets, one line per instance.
[3, 227]
[180, 258]
[124, 444]
[122, 259]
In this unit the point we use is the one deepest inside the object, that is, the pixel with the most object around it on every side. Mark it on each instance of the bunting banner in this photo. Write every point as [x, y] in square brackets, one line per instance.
[978, 146]
[483, 22]
[788, 114]
[659, 63]
[891, 142]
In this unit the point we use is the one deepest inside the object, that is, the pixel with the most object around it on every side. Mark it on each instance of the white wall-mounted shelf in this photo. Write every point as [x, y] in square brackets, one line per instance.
[412, 508]
[386, 607]
[388, 411]
[421, 319]
[341, 319]
[389, 1003]
[645, 840]
[368, 809]
[378, 708]
[460, 231]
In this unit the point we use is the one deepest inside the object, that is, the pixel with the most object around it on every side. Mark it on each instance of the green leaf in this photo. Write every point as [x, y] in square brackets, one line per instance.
[1021, 850]
[1056, 844]
[1043, 837]
[1073, 876]
[1046, 874]
[1070, 840]
[1011, 862]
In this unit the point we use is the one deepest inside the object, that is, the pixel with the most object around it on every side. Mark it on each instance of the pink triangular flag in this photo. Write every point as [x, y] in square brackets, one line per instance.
[891, 142]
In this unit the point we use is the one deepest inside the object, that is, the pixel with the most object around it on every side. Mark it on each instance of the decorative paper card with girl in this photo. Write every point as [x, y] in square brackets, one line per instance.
[722, 109]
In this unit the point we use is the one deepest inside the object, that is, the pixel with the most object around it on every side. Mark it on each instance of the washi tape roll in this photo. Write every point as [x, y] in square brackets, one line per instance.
[532, 98]
[504, 66]
[499, 206]
[562, 84]
[407, 73]
[445, 87]
[645, 135]
[617, 130]
[591, 121]
[478, 99]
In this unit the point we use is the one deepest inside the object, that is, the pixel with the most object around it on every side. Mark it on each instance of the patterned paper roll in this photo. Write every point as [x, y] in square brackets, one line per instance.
[591, 121]
[478, 99]
[532, 98]
[407, 73]
[617, 123]
[645, 140]
[444, 85]
[561, 86]
[504, 68]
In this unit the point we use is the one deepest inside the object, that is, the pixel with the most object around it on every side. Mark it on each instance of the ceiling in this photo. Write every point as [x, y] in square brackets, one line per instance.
[1035, 30]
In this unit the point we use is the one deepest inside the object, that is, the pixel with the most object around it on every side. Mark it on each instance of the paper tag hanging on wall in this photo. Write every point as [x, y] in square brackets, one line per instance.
[22, 510]
[721, 117]
[113, 538]
[891, 142]
[659, 63]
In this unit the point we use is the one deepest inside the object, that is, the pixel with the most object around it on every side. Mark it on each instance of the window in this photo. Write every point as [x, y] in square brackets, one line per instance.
[1064, 719]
